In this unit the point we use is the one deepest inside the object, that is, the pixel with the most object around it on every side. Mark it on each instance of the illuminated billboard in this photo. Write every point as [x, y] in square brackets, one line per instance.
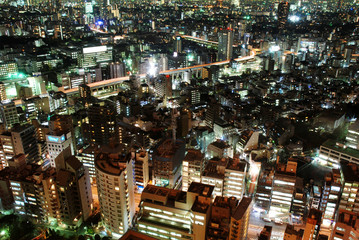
[95, 49]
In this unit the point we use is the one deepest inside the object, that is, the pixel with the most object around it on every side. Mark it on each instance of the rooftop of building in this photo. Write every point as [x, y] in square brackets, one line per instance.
[167, 149]
[193, 155]
[214, 168]
[349, 218]
[236, 165]
[220, 144]
[201, 189]
[200, 205]
[112, 164]
[63, 177]
[334, 145]
[74, 162]
[242, 208]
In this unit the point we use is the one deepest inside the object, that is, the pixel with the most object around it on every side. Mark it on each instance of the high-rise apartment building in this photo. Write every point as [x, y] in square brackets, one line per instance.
[115, 191]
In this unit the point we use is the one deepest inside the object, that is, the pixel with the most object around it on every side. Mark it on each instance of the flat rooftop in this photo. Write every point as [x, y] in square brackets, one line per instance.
[201, 189]
[332, 144]
[193, 155]
[110, 164]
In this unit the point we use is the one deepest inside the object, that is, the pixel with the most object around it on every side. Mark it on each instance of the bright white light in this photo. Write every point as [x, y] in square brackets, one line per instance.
[152, 69]
[294, 18]
[175, 54]
[274, 48]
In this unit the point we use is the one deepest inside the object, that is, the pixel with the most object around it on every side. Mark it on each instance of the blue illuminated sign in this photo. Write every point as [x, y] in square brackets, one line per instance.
[53, 139]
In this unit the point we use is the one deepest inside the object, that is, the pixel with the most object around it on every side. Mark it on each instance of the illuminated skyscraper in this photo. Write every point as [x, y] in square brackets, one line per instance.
[178, 44]
[283, 12]
[225, 45]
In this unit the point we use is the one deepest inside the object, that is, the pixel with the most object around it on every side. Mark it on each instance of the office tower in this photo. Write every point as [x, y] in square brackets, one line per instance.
[167, 213]
[167, 163]
[283, 12]
[350, 197]
[24, 141]
[283, 188]
[212, 114]
[220, 220]
[85, 91]
[178, 44]
[331, 153]
[2, 92]
[234, 178]
[56, 144]
[240, 220]
[330, 197]
[103, 125]
[266, 233]
[352, 138]
[60, 124]
[7, 69]
[117, 70]
[20, 140]
[192, 168]
[8, 114]
[227, 175]
[183, 123]
[115, 191]
[312, 226]
[346, 226]
[195, 96]
[93, 56]
[225, 44]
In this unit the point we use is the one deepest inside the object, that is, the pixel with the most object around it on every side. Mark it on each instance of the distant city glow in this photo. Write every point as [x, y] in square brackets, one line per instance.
[294, 18]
